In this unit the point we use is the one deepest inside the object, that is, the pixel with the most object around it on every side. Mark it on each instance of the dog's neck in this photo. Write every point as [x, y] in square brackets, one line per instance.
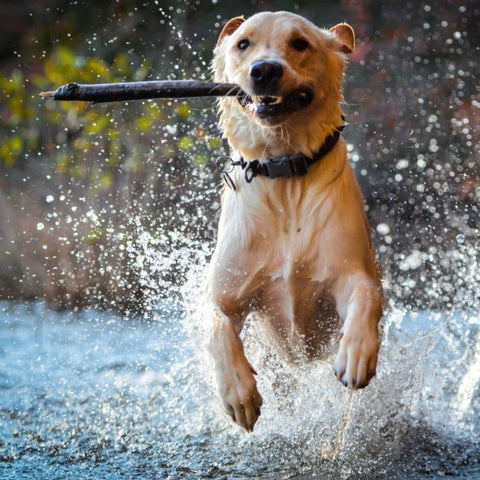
[285, 166]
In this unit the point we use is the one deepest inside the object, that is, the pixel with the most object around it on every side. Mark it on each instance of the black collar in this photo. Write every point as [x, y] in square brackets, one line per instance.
[283, 166]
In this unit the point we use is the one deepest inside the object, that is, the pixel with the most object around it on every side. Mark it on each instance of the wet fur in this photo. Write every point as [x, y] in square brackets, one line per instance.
[296, 251]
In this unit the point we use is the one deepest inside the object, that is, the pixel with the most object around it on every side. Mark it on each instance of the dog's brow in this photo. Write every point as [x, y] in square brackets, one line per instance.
[298, 33]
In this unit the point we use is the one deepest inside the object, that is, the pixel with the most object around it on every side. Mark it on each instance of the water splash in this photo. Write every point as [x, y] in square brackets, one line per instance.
[342, 430]
[422, 407]
[470, 383]
[94, 393]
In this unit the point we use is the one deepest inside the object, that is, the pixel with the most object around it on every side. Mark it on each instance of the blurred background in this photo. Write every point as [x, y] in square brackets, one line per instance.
[110, 205]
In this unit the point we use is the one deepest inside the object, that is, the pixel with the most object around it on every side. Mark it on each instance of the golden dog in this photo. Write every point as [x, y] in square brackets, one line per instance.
[293, 243]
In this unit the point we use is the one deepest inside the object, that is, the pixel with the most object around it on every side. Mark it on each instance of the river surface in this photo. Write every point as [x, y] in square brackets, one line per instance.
[93, 395]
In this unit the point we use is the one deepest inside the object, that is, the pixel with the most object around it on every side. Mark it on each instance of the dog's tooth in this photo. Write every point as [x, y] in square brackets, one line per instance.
[269, 99]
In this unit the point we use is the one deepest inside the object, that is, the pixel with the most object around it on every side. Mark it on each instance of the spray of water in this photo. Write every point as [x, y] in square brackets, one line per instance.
[422, 408]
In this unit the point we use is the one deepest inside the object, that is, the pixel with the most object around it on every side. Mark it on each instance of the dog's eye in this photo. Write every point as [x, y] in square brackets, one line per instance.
[243, 44]
[300, 44]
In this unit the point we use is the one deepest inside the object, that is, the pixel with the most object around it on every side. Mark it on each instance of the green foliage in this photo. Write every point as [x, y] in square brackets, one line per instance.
[84, 141]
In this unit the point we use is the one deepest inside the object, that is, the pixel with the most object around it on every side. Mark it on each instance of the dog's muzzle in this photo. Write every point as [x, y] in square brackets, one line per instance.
[265, 78]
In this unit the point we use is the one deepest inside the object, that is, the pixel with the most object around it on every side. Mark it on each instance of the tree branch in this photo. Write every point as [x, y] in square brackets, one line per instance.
[115, 92]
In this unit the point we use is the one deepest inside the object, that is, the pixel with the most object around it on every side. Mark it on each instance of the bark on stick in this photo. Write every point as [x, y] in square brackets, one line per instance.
[118, 92]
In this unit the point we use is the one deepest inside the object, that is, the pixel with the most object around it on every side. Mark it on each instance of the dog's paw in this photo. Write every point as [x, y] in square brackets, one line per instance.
[356, 361]
[239, 395]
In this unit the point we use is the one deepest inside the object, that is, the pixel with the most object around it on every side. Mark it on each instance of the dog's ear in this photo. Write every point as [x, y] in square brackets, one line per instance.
[230, 27]
[346, 36]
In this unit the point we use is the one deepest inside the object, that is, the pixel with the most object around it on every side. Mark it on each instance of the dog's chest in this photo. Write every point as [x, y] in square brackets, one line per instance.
[287, 235]
[287, 215]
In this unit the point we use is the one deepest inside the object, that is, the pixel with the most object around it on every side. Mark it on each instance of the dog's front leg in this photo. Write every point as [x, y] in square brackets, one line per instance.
[359, 303]
[236, 383]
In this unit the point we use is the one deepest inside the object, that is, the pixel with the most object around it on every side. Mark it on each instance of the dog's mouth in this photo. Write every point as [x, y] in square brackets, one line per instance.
[272, 107]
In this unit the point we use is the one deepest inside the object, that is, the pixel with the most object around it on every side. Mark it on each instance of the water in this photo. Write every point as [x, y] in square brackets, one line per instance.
[93, 395]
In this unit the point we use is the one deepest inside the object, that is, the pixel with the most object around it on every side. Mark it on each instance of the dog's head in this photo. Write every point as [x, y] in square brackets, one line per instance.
[284, 63]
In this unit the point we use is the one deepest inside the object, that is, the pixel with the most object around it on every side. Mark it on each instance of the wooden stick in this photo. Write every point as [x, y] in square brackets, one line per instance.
[115, 92]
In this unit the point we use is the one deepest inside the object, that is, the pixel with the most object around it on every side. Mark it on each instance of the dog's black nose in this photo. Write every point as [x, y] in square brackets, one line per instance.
[265, 76]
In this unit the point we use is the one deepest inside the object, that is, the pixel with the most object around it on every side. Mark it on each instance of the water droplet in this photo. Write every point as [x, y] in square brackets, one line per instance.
[383, 229]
